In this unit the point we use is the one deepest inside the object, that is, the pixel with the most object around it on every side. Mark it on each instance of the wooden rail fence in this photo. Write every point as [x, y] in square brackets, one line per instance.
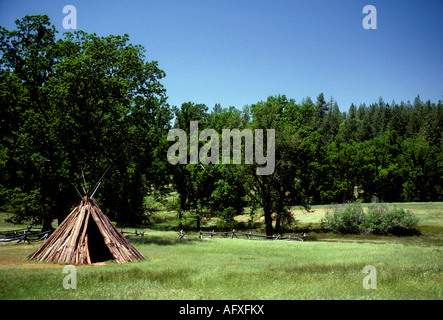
[28, 236]
[136, 233]
[233, 233]
[25, 235]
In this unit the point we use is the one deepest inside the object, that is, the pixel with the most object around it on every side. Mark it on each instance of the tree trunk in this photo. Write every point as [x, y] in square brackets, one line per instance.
[198, 221]
[268, 217]
[180, 216]
[47, 225]
[280, 210]
[278, 223]
[61, 216]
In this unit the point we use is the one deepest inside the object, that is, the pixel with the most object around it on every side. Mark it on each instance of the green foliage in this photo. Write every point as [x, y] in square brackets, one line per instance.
[227, 218]
[378, 220]
[347, 219]
[227, 197]
[381, 220]
[401, 222]
[288, 184]
[208, 190]
[81, 103]
[322, 155]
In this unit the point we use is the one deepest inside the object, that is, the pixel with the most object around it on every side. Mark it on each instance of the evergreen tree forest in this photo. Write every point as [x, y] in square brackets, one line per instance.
[71, 107]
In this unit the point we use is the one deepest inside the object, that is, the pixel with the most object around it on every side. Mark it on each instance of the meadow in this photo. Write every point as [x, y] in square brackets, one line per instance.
[222, 268]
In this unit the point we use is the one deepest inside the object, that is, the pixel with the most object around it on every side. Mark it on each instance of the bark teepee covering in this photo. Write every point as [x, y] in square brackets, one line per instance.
[86, 236]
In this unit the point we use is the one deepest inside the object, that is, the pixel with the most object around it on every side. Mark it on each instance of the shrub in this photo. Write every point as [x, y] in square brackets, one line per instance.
[151, 204]
[376, 221]
[154, 209]
[379, 220]
[312, 236]
[347, 219]
[402, 222]
[227, 218]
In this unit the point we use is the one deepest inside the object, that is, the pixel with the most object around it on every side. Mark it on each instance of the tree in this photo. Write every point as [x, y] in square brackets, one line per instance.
[26, 65]
[331, 123]
[276, 192]
[321, 107]
[380, 174]
[423, 171]
[227, 198]
[215, 189]
[341, 172]
[190, 180]
[348, 128]
[399, 119]
[82, 103]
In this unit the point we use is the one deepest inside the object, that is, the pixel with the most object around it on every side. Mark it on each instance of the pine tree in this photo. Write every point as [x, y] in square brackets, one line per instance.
[322, 107]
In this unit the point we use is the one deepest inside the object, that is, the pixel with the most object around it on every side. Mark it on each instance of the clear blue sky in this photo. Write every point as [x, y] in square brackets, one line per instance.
[237, 52]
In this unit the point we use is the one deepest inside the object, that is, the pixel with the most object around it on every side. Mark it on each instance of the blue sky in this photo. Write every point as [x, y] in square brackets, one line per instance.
[240, 52]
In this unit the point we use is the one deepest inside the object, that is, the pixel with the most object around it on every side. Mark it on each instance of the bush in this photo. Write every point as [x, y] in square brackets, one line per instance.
[402, 222]
[312, 236]
[154, 210]
[347, 219]
[379, 220]
[227, 218]
[376, 220]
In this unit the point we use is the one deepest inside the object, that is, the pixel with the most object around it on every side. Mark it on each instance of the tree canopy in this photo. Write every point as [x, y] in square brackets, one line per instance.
[81, 103]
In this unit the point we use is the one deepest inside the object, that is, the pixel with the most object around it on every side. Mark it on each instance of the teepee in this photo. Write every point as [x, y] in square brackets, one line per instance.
[86, 236]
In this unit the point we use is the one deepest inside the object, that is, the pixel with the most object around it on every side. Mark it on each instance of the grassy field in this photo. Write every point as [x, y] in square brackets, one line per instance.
[329, 268]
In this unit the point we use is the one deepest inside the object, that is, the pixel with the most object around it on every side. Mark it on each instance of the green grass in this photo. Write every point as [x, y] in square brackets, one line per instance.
[235, 269]
[329, 268]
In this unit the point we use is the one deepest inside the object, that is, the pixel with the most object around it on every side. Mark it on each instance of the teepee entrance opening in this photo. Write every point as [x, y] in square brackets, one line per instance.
[98, 251]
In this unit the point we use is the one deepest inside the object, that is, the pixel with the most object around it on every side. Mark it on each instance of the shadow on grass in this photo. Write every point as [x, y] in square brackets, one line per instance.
[160, 241]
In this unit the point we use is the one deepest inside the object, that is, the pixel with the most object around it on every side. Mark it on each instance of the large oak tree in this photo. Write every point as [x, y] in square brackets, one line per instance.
[80, 103]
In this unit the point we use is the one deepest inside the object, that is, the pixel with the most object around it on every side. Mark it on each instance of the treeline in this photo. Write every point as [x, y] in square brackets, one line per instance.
[389, 151]
[78, 105]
